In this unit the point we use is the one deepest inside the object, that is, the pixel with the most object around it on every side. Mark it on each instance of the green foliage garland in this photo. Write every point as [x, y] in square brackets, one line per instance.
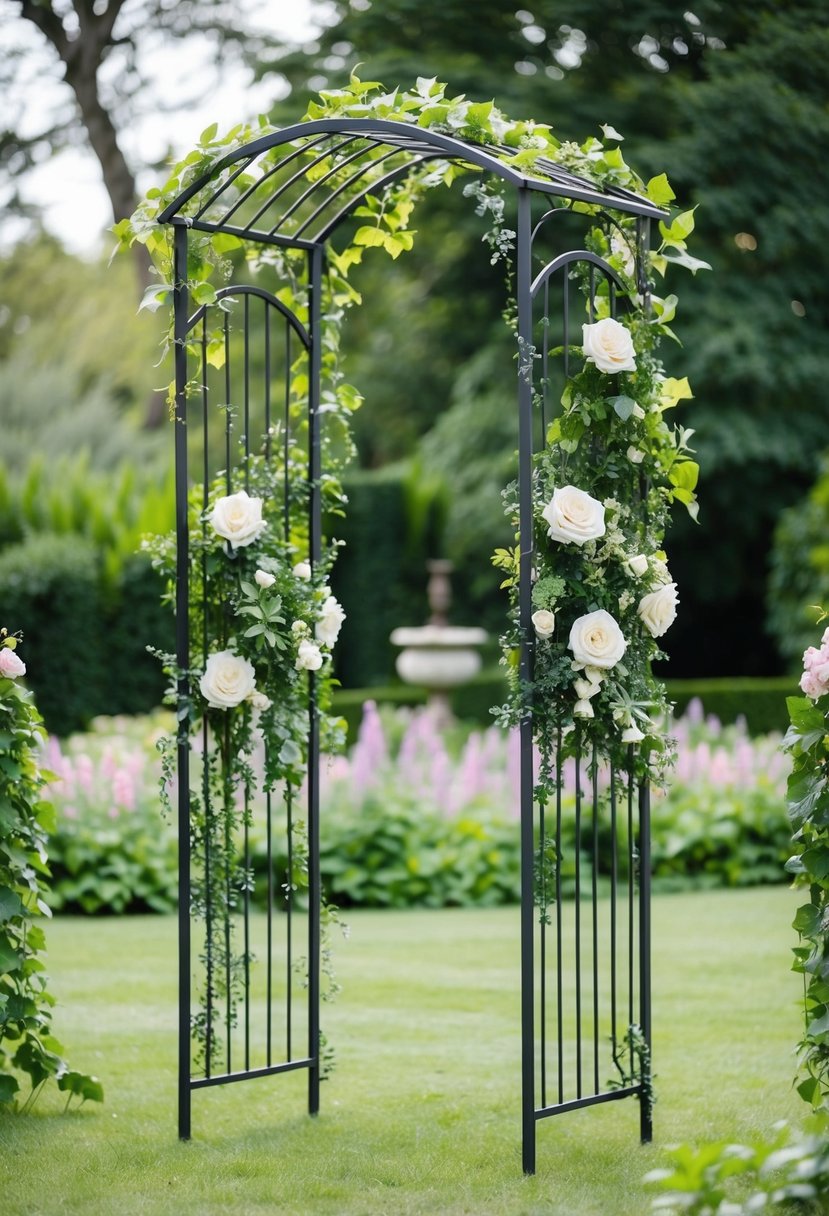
[26, 1041]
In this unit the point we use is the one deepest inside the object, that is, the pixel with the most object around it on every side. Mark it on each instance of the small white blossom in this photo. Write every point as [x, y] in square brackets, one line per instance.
[264, 579]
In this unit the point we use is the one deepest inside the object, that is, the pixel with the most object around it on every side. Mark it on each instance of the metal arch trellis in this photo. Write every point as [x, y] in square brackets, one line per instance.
[294, 188]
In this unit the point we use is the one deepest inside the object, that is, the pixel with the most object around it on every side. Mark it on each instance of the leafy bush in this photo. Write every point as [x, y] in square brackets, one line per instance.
[111, 850]
[414, 815]
[799, 576]
[26, 1041]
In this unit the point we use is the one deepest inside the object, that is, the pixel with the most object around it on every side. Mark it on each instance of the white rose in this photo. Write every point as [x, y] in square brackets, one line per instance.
[609, 345]
[11, 665]
[638, 565]
[544, 623]
[632, 735]
[228, 680]
[302, 570]
[238, 519]
[634, 455]
[597, 640]
[263, 579]
[658, 609]
[259, 701]
[583, 709]
[300, 629]
[574, 516]
[622, 248]
[594, 674]
[330, 622]
[308, 656]
[585, 689]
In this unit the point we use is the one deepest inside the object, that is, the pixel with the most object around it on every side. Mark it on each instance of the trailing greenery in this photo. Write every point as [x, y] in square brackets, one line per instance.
[27, 1044]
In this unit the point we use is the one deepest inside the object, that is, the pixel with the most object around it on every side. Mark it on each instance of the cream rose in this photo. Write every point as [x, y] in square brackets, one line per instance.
[574, 517]
[302, 570]
[264, 579]
[330, 622]
[309, 656]
[638, 565]
[585, 689]
[583, 709]
[228, 680]
[635, 455]
[632, 734]
[658, 609]
[11, 666]
[597, 640]
[259, 701]
[544, 623]
[238, 518]
[609, 345]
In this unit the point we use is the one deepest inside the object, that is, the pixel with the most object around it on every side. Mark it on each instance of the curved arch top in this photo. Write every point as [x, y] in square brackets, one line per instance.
[329, 165]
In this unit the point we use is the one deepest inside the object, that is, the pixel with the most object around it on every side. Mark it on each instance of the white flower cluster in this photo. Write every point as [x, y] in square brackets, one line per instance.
[229, 678]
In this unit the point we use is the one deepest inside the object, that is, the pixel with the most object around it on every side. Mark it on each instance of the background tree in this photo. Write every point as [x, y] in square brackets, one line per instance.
[732, 99]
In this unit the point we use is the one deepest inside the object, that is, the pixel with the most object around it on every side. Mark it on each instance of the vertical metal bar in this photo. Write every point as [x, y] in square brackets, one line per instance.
[645, 1119]
[228, 844]
[591, 301]
[542, 960]
[267, 320]
[247, 391]
[525, 459]
[545, 363]
[315, 545]
[565, 320]
[577, 912]
[631, 880]
[614, 879]
[559, 994]
[246, 913]
[289, 944]
[269, 980]
[208, 901]
[228, 423]
[287, 435]
[594, 895]
[180, 305]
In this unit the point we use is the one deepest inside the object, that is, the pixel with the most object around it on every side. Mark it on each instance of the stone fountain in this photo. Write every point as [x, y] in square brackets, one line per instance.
[439, 656]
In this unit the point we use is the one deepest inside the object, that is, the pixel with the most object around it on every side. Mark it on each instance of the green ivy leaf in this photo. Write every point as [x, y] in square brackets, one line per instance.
[659, 191]
[623, 406]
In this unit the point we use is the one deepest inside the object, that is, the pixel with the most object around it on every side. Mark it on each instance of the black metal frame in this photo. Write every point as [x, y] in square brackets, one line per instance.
[270, 177]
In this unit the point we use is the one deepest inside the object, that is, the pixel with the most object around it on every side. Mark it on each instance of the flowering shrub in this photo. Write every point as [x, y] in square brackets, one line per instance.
[412, 815]
[26, 1041]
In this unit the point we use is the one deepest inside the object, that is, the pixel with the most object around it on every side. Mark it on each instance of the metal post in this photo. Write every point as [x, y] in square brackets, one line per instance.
[645, 1116]
[315, 546]
[525, 454]
[180, 305]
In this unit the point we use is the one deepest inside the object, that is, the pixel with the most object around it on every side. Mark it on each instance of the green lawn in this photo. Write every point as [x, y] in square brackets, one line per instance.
[422, 1113]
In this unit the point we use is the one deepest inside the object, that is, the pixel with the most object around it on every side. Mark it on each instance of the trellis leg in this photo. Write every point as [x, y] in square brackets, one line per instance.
[645, 1079]
[315, 547]
[525, 448]
[180, 297]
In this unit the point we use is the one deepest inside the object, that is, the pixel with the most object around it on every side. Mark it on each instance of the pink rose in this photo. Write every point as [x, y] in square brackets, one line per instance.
[815, 679]
[10, 665]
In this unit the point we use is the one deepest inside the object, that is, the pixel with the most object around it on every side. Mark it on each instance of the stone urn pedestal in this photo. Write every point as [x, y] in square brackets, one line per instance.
[439, 656]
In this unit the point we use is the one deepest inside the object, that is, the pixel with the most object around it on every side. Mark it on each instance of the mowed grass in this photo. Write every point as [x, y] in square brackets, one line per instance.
[422, 1112]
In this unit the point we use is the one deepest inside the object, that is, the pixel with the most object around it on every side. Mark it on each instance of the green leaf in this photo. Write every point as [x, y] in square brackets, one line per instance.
[88, 1088]
[659, 191]
[8, 1088]
[10, 959]
[370, 236]
[10, 904]
[684, 474]
[204, 293]
[154, 296]
[623, 406]
[809, 1091]
[807, 920]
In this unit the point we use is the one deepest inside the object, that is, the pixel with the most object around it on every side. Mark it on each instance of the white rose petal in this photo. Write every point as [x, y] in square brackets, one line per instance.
[638, 565]
[227, 681]
[632, 735]
[302, 570]
[238, 518]
[264, 579]
[309, 656]
[658, 609]
[583, 709]
[544, 623]
[634, 455]
[585, 689]
[637, 412]
[594, 674]
[330, 621]
[609, 346]
[597, 640]
[574, 516]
